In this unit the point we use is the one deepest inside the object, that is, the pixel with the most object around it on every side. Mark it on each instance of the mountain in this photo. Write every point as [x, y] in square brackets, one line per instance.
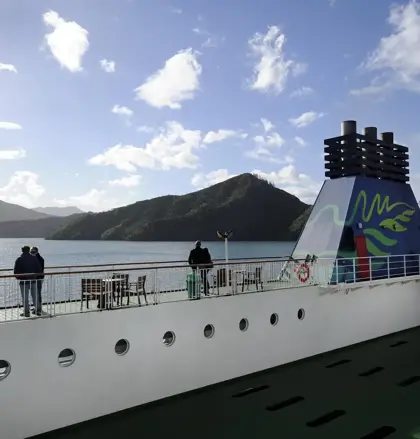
[252, 207]
[38, 228]
[13, 212]
[59, 211]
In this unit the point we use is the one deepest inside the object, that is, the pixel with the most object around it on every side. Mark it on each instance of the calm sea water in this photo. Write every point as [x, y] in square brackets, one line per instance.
[112, 252]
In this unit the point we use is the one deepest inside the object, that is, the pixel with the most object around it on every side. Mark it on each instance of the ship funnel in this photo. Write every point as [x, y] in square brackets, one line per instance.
[371, 133]
[388, 138]
[348, 127]
[365, 155]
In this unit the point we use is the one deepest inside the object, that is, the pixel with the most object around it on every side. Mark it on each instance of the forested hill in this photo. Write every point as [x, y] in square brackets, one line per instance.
[255, 210]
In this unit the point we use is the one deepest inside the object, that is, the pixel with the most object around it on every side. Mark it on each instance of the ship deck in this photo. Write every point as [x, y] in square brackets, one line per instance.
[13, 313]
[366, 391]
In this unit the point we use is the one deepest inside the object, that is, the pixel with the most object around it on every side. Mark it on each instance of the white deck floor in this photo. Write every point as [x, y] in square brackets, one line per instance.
[62, 308]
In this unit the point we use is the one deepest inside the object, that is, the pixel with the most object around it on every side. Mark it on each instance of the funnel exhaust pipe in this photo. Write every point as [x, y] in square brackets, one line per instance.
[388, 138]
[371, 133]
[348, 127]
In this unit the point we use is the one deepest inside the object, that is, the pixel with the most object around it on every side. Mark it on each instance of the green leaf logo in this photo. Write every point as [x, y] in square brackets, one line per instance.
[408, 212]
[392, 224]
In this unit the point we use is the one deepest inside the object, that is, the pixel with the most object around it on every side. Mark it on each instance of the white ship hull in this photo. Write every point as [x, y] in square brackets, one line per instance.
[39, 396]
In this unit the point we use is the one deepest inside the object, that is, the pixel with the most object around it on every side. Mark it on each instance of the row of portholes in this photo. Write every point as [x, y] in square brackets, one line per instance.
[67, 356]
[169, 336]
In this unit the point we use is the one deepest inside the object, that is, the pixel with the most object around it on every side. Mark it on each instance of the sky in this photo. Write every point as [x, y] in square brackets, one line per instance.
[107, 102]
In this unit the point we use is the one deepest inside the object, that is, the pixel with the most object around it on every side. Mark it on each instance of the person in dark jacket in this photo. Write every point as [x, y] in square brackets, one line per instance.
[27, 269]
[40, 280]
[200, 258]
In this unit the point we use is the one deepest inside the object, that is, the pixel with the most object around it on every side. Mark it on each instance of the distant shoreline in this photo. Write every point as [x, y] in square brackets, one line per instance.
[123, 240]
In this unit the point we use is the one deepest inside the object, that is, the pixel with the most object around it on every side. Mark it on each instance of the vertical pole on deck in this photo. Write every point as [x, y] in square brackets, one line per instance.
[227, 266]
[225, 236]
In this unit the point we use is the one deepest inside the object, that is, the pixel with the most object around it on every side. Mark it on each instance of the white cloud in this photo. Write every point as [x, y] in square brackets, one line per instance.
[332, 2]
[124, 111]
[68, 41]
[302, 91]
[299, 69]
[176, 82]
[8, 67]
[288, 179]
[94, 200]
[211, 39]
[23, 189]
[271, 140]
[300, 141]
[176, 10]
[145, 129]
[204, 180]
[379, 85]
[12, 154]
[172, 147]
[127, 181]
[267, 125]
[107, 66]
[10, 126]
[271, 69]
[305, 119]
[396, 57]
[266, 147]
[262, 153]
[220, 135]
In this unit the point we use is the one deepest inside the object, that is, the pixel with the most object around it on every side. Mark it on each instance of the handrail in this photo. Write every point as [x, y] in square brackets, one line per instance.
[124, 264]
[185, 265]
[177, 264]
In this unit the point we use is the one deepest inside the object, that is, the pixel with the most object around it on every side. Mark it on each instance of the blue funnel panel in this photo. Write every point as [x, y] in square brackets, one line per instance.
[385, 214]
[370, 226]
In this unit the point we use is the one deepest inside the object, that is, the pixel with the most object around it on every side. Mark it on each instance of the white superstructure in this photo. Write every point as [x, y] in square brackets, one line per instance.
[180, 344]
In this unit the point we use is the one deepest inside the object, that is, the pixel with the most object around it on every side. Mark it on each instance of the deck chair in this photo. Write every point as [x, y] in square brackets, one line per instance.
[137, 288]
[93, 289]
[120, 287]
[252, 277]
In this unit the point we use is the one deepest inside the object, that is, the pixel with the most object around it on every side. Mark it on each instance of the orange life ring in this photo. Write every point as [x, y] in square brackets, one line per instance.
[303, 272]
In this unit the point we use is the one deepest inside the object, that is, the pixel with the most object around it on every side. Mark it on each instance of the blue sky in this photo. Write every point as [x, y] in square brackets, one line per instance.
[106, 102]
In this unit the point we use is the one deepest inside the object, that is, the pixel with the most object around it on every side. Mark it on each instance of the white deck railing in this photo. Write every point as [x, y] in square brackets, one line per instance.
[105, 287]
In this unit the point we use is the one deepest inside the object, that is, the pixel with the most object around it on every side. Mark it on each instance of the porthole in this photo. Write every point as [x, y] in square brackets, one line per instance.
[169, 338]
[301, 314]
[274, 319]
[243, 325]
[122, 346]
[66, 357]
[209, 331]
[5, 369]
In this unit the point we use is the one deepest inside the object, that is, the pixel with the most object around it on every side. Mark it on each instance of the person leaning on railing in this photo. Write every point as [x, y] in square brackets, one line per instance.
[200, 258]
[26, 270]
[40, 280]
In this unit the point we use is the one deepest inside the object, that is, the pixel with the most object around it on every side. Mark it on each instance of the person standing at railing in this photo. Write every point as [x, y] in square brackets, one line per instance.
[40, 280]
[26, 270]
[200, 258]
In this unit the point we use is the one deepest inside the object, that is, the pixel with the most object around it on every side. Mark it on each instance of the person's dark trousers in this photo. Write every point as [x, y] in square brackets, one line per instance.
[26, 287]
[38, 303]
[206, 286]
